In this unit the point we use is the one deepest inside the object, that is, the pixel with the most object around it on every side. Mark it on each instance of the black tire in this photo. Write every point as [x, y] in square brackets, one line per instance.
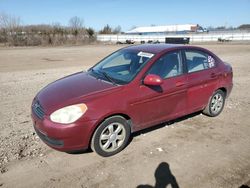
[212, 110]
[118, 137]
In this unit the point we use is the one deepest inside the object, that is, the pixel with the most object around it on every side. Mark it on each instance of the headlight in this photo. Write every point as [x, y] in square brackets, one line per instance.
[68, 114]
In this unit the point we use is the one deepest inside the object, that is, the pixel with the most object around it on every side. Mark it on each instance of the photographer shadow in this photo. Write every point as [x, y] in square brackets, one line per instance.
[163, 177]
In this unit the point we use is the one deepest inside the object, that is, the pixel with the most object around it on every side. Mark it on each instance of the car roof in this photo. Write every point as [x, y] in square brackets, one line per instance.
[153, 48]
[158, 48]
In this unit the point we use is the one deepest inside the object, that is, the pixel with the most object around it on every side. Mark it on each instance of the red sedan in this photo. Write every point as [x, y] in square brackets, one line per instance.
[132, 89]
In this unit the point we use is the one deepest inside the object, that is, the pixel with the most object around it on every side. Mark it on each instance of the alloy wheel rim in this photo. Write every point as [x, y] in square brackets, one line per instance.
[216, 103]
[112, 137]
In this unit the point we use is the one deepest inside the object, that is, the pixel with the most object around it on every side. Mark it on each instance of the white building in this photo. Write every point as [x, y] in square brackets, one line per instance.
[186, 28]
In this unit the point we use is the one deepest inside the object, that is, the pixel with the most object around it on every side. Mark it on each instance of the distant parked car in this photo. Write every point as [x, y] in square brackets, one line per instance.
[130, 41]
[133, 88]
[225, 39]
[153, 41]
[126, 42]
[119, 42]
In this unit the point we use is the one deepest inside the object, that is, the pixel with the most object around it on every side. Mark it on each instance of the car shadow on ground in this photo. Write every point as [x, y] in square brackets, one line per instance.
[167, 123]
[163, 177]
[78, 152]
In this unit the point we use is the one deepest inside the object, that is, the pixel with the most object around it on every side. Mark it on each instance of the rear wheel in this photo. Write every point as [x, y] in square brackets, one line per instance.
[215, 104]
[111, 136]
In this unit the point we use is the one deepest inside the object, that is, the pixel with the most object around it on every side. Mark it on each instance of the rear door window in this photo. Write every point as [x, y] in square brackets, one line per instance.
[197, 61]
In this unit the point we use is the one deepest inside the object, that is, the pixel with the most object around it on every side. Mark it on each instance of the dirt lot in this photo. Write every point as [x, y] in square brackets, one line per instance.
[196, 151]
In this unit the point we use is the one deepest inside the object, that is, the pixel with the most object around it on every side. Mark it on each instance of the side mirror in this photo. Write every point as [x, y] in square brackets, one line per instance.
[152, 80]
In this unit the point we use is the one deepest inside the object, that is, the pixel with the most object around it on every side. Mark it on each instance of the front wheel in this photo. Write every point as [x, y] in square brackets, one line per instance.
[215, 104]
[111, 136]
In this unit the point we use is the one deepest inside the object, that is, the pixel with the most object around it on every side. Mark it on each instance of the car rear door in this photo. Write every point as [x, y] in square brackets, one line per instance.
[202, 78]
[155, 104]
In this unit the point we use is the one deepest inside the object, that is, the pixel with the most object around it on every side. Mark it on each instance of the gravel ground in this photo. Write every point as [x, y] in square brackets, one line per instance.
[195, 151]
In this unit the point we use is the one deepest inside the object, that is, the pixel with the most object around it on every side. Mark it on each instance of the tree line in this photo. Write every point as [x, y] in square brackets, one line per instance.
[13, 33]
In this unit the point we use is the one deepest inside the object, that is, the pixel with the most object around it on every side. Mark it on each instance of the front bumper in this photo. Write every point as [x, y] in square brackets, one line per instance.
[71, 137]
[48, 140]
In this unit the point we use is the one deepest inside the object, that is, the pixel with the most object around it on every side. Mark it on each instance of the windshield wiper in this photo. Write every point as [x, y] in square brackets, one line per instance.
[108, 77]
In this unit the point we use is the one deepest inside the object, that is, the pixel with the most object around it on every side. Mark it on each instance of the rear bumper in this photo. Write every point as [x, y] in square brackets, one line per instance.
[72, 137]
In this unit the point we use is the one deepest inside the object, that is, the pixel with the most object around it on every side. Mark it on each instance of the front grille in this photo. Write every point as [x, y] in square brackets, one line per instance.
[38, 110]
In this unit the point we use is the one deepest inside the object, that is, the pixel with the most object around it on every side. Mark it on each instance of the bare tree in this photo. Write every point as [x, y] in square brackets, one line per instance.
[117, 30]
[90, 32]
[14, 34]
[9, 28]
[106, 30]
[244, 27]
[9, 22]
[76, 24]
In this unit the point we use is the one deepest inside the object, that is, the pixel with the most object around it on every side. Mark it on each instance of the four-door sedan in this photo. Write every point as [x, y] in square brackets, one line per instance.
[132, 89]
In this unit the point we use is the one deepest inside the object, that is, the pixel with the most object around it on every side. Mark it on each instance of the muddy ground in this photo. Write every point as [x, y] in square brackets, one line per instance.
[195, 151]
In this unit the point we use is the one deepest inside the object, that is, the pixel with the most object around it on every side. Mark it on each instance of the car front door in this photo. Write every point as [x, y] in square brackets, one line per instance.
[155, 104]
[201, 78]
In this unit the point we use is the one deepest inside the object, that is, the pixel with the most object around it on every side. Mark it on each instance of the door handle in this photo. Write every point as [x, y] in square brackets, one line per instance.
[213, 75]
[179, 84]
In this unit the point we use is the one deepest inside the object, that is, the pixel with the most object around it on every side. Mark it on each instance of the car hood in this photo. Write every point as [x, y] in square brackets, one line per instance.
[68, 90]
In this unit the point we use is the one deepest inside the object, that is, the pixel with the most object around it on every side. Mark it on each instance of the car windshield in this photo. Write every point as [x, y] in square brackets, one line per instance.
[121, 67]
